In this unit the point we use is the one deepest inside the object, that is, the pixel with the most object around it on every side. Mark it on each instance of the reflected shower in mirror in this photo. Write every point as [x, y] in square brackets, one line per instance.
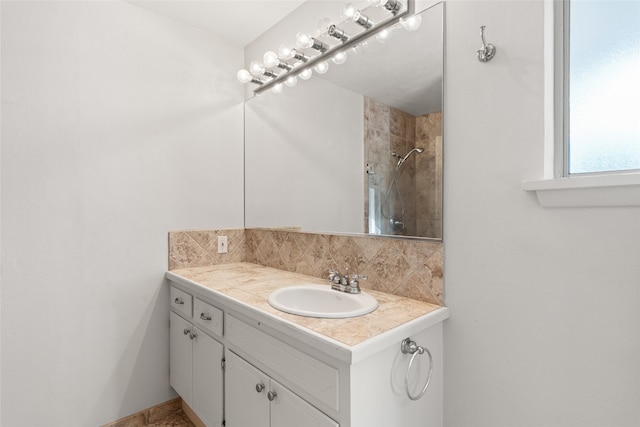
[357, 149]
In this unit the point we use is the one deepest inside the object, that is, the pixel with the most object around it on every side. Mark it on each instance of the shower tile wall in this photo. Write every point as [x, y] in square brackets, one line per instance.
[429, 173]
[409, 268]
[388, 130]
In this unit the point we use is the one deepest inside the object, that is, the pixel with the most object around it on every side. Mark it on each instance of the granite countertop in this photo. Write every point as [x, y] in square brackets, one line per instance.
[251, 284]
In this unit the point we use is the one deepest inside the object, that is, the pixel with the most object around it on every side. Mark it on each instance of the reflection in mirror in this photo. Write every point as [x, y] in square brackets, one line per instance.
[355, 150]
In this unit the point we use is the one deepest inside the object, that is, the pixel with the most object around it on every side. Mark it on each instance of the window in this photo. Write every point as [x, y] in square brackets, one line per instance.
[602, 75]
[592, 104]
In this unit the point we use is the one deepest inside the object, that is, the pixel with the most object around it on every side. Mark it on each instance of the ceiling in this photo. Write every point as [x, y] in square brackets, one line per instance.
[240, 21]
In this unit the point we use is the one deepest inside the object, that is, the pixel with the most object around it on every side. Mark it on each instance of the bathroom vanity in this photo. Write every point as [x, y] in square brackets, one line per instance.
[236, 360]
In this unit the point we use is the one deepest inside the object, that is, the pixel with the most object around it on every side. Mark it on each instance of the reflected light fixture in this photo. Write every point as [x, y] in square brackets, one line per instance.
[339, 58]
[383, 35]
[271, 60]
[291, 81]
[412, 23]
[257, 68]
[321, 67]
[305, 74]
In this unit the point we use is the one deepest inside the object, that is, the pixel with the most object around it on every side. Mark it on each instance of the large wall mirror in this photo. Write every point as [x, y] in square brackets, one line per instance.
[357, 149]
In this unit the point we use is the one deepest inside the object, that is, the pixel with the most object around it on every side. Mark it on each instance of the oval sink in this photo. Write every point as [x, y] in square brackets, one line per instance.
[321, 301]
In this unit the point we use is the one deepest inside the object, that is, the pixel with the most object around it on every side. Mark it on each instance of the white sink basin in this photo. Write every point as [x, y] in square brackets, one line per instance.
[321, 301]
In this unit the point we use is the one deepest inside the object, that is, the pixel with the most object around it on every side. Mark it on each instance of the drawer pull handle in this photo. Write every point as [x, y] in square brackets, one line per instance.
[204, 316]
[272, 396]
[178, 301]
[259, 387]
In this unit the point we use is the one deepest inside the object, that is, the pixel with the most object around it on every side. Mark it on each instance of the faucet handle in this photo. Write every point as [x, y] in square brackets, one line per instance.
[354, 286]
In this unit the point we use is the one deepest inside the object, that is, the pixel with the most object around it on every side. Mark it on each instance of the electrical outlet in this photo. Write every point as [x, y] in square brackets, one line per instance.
[222, 245]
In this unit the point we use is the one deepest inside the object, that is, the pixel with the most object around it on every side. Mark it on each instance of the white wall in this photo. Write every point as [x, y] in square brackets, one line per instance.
[117, 126]
[545, 326]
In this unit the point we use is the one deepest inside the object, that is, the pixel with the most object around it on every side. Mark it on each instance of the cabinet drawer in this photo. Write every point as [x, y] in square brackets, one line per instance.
[208, 317]
[181, 302]
[316, 380]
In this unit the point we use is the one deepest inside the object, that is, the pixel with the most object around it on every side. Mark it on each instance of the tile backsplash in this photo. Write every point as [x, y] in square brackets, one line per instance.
[406, 267]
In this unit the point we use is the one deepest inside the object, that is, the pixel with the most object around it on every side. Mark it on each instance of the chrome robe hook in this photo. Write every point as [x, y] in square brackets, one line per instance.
[487, 51]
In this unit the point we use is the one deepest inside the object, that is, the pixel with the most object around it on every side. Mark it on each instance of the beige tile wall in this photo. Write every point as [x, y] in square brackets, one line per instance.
[405, 267]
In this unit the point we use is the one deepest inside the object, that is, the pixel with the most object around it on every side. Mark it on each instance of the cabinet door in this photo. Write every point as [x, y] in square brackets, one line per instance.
[245, 405]
[207, 379]
[289, 410]
[180, 357]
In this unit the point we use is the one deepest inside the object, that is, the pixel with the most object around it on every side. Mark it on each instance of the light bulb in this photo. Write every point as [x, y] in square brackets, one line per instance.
[291, 81]
[304, 40]
[306, 74]
[321, 67]
[256, 68]
[412, 23]
[285, 52]
[383, 35]
[244, 76]
[271, 59]
[339, 58]
[323, 26]
[347, 11]
[277, 88]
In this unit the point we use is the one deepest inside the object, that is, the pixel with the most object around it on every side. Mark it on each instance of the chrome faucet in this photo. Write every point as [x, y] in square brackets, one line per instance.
[340, 282]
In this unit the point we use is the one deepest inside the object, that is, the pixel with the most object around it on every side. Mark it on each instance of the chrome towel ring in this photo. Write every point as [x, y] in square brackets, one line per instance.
[408, 346]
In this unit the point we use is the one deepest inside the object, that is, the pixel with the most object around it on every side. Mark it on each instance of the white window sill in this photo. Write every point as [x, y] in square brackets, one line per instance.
[587, 191]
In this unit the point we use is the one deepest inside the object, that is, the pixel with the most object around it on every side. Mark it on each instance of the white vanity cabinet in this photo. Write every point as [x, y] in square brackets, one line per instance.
[196, 370]
[254, 399]
[279, 373]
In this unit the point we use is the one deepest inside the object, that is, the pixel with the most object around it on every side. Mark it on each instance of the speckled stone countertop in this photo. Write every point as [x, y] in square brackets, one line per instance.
[251, 284]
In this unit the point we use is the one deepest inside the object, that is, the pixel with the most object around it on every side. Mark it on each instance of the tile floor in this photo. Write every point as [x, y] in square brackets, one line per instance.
[176, 419]
[167, 414]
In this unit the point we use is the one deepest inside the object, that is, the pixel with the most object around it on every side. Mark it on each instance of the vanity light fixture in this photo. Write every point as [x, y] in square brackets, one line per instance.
[362, 20]
[304, 40]
[313, 52]
[245, 77]
[392, 6]
[336, 32]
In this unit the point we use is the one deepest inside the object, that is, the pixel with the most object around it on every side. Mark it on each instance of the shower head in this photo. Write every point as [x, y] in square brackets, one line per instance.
[415, 150]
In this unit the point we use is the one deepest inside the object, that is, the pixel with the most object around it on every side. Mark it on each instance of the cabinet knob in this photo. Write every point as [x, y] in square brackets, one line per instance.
[204, 316]
[272, 396]
[178, 301]
[259, 387]
[186, 331]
